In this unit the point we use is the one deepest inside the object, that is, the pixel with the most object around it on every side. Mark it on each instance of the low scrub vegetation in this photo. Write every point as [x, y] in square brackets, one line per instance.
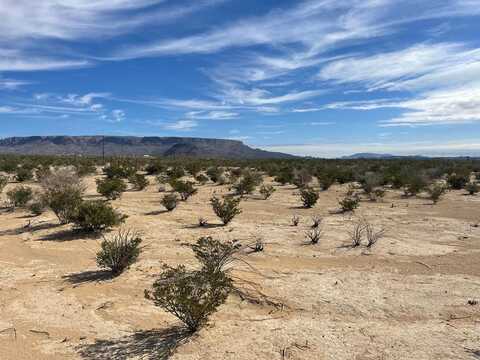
[111, 188]
[19, 196]
[96, 215]
[170, 201]
[225, 209]
[184, 188]
[266, 191]
[309, 197]
[119, 252]
[139, 182]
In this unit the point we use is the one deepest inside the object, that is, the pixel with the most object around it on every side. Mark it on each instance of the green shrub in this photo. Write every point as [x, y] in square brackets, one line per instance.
[214, 173]
[63, 190]
[301, 178]
[227, 209]
[119, 171]
[111, 188]
[139, 182]
[23, 174]
[175, 173]
[266, 191]
[215, 255]
[326, 180]
[472, 188]
[248, 183]
[414, 185]
[201, 179]
[457, 181]
[3, 182]
[20, 196]
[309, 197]
[96, 215]
[436, 191]
[155, 168]
[192, 296]
[284, 176]
[118, 253]
[349, 203]
[37, 206]
[184, 188]
[170, 201]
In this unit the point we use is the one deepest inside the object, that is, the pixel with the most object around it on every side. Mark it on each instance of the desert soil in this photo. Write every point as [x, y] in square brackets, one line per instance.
[407, 298]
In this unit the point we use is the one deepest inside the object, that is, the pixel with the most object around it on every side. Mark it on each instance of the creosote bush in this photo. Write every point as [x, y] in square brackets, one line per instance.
[192, 296]
[295, 220]
[111, 188]
[170, 201]
[309, 197]
[266, 191]
[184, 188]
[119, 252]
[227, 209]
[24, 174]
[316, 221]
[457, 181]
[63, 190]
[96, 215]
[247, 184]
[19, 196]
[202, 179]
[349, 203]
[436, 191]
[139, 182]
[472, 188]
[314, 235]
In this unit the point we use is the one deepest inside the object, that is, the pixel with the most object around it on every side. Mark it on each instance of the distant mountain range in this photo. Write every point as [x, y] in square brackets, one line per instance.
[380, 156]
[134, 146]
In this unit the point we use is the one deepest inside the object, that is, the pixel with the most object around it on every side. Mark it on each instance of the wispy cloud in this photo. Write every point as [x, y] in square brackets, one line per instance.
[182, 125]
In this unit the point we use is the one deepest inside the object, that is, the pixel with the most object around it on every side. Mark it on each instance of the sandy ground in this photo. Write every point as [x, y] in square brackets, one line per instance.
[407, 298]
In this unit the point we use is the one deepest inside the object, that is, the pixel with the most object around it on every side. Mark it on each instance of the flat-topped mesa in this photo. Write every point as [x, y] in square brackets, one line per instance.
[134, 146]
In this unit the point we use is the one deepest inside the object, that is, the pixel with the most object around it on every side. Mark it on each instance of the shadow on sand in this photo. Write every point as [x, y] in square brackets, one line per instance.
[147, 345]
[88, 276]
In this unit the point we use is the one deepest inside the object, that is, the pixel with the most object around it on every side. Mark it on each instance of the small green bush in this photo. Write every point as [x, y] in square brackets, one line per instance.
[111, 188]
[23, 174]
[170, 201]
[201, 179]
[266, 191]
[349, 203]
[414, 185]
[139, 182]
[472, 188]
[119, 171]
[96, 215]
[175, 172]
[227, 209]
[248, 183]
[118, 253]
[37, 207]
[436, 191]
[64, 203]
[184, 188]
[457, 181]
[309, 197]
[214, 173]
[215, 255]
[192, 296]
[20, 196]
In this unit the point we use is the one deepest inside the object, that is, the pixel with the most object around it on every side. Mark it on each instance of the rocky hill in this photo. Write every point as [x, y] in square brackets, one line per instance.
[134, 146]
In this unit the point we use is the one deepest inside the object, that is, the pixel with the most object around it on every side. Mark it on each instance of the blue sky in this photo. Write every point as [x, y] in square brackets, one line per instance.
[316, 77]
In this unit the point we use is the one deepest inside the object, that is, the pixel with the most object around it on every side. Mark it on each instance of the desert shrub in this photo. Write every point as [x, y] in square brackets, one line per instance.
[284, 176]
[3, 182]
[23, 174]
[357, 233]
[316, 221]
[326, 180]
[154, 168]
[372, 234]
[111, 188]
[377, 194]
[295, 220]
[215, 255]
[436, 191]
[191, 296]
[170, 201]
[370, 181]
[472, 188]
[248, 183]
[214, 173]
[20, 196]
[96, 215]
[175, 173]
[64, 203]
[457, 181]
[184, 188]
[139, 182]
[309, 197]
[349, 203]
[301, 178]
[414, 184]
[266, 191]
[314, 235]
[63, 190]
[227, 209]
[201, 179]
[257, 246]
[223, 180]
[119, 252]
[119, 171]
[193, 168]
[86, 168]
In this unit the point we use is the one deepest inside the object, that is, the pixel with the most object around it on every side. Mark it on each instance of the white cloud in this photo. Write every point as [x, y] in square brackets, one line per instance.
[182, 125]
[12, 84]
[118, 115]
